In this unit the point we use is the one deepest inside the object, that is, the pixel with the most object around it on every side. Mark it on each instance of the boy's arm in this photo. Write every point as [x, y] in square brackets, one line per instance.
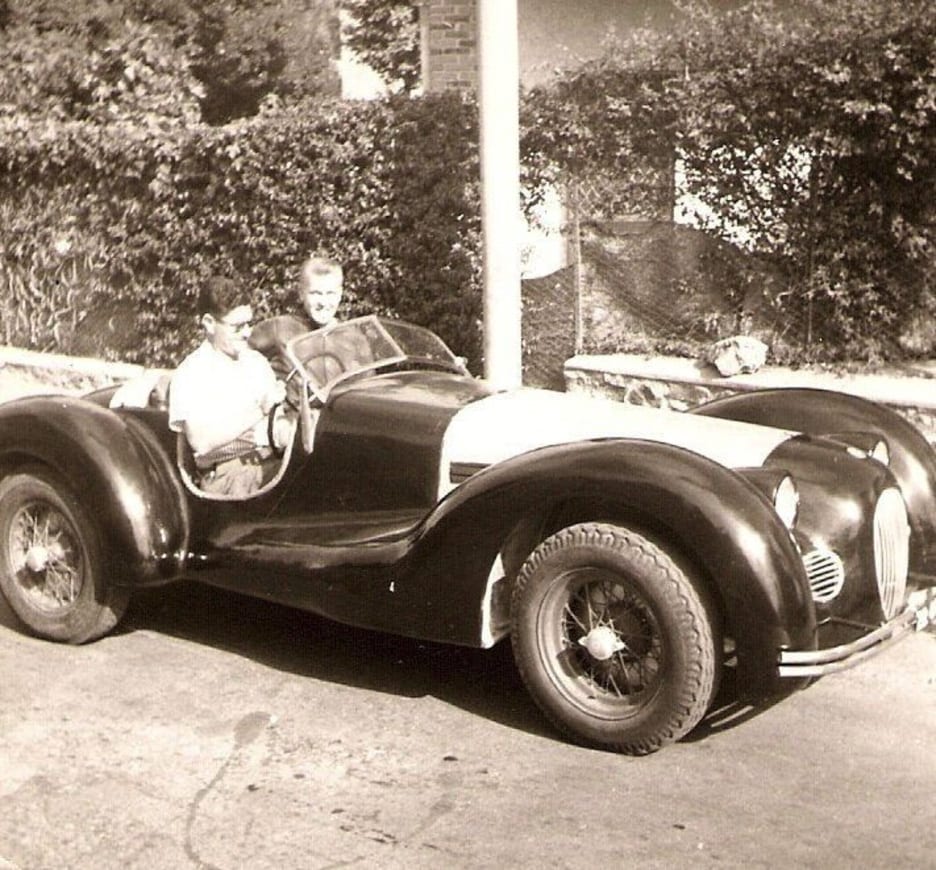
[207, 432]
[208, 417]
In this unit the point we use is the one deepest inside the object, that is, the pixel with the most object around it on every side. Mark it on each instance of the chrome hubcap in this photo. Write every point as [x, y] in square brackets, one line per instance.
[39, 556]
[602, 642]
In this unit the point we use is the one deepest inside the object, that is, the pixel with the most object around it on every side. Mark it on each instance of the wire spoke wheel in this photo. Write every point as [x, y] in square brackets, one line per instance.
[614, 640]
[46, 556]
[51, 560]
[603, 640]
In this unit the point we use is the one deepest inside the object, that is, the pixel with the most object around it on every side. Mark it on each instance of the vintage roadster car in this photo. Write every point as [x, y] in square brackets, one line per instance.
[631, 554]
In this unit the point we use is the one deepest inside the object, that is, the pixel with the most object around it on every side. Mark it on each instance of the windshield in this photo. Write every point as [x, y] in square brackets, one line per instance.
[342, 350]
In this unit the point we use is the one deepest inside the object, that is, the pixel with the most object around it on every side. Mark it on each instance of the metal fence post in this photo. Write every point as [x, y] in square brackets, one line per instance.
[575, 203]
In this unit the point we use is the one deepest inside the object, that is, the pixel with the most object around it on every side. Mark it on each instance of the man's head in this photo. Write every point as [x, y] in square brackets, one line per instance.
[225, 314]
[320, 287]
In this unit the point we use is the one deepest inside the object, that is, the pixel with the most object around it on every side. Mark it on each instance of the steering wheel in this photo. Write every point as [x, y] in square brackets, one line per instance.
[327, 359]
[271, 431]
[292, 390]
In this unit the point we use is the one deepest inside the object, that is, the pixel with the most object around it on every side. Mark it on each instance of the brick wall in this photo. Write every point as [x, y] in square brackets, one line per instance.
[449, 44]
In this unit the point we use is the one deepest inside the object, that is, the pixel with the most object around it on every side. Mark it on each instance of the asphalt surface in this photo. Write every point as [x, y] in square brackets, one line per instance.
[216, 731]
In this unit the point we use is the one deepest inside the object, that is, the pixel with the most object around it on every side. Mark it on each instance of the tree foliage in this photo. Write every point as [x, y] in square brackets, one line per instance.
[220, 59]
[384, 34]
[807, 130]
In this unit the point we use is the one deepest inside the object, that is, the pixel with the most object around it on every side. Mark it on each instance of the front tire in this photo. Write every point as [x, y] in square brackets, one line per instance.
[51, 561]
[614, 641]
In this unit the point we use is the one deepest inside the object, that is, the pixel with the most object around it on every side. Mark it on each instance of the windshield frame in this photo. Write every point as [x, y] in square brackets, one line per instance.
[387, 332]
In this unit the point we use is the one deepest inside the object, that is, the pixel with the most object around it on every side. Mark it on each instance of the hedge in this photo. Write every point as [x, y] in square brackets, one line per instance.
[109, 230]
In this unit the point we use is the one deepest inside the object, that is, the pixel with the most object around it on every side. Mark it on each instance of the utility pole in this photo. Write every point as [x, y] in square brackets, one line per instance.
[499, 100]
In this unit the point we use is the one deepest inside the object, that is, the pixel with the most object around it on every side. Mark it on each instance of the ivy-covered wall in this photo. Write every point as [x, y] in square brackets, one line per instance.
[805, 135]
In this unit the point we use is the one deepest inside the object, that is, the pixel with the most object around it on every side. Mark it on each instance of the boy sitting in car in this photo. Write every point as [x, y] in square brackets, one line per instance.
[321, 284]
[222, 395]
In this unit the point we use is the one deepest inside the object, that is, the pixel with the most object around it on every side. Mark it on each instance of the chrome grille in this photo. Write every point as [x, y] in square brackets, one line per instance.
[891, 550]
[826, 574]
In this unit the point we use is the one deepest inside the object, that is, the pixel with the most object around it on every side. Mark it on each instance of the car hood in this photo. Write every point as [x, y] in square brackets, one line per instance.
[507, 424]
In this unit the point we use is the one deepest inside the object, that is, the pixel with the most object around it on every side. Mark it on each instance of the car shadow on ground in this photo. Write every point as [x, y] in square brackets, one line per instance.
[482, 682]
[731, 708]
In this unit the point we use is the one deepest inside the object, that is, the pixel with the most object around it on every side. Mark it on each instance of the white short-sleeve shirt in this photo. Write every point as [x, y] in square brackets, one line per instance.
[210, 385]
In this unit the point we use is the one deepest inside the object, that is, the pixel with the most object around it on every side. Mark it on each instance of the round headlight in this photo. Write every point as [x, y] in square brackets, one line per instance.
[786, 501]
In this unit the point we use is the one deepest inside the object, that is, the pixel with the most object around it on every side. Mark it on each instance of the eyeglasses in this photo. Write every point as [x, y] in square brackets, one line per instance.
[239, 326]
[235, 320]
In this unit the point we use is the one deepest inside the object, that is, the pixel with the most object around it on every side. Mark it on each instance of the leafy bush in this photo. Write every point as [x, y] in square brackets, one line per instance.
[146, 213]
[808, 129]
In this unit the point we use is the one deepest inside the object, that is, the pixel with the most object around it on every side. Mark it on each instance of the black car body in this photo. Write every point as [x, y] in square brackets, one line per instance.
[628, 551]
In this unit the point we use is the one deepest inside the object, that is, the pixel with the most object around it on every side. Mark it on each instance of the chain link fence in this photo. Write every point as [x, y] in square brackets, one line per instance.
[631, 283]
[644, 280]
[640, 282]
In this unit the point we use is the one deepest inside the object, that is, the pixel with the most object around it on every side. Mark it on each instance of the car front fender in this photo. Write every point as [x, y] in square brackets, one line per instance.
[116, 467]
[704, 513]
[821, 412]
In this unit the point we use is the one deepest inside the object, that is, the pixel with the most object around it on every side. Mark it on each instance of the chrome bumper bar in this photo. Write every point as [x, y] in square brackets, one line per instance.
[918, 614]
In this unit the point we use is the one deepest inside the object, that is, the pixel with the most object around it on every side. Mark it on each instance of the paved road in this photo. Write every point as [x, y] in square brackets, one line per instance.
[214, 731]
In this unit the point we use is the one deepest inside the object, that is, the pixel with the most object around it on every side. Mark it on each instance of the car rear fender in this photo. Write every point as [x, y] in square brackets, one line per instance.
[822, 412]
[116, 467]
[702, 512]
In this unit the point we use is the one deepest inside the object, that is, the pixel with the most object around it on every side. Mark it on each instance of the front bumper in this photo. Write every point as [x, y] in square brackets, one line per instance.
[918, 614]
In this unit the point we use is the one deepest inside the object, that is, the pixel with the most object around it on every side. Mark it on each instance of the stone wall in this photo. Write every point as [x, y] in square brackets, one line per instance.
[679, 384]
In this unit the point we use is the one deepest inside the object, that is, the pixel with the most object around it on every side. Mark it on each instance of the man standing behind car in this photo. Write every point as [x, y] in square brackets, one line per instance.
[321, 284]
[222, 394]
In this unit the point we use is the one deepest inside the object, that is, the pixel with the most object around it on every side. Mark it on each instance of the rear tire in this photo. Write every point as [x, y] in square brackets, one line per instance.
[614, 641]
[51, 561]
